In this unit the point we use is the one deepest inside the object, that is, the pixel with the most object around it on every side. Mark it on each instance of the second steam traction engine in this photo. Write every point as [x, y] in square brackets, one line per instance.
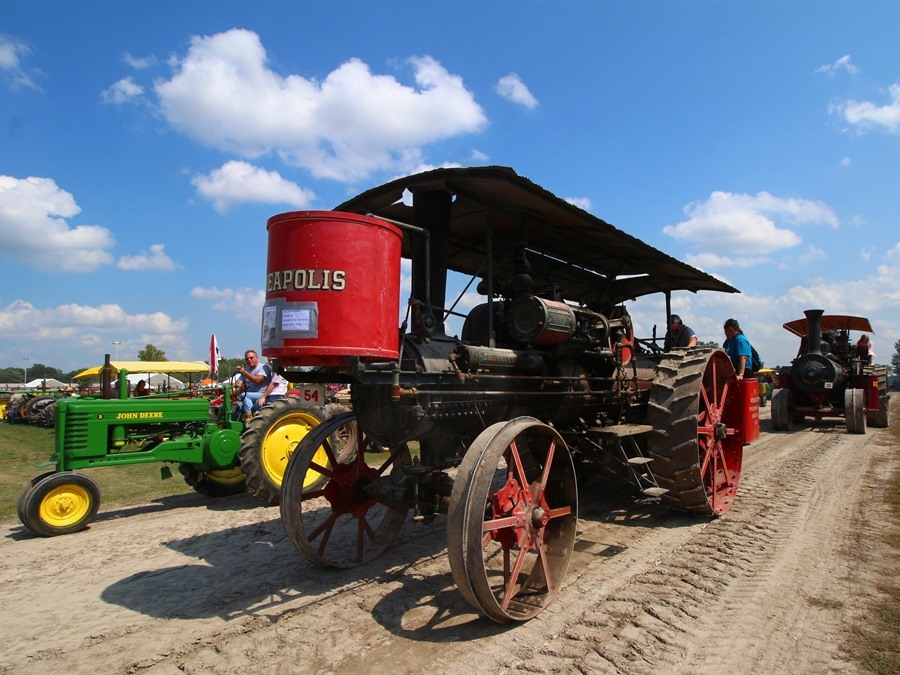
[544, 380]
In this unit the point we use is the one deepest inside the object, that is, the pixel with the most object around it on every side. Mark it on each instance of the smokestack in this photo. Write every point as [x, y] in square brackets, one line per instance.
[814, 330]
[432, 211]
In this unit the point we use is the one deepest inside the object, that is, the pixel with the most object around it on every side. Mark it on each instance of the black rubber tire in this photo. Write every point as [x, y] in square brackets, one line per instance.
[25, 411]
[680, 453]
[23, 496]
[59, 503]
[47, 418]
[36, 411]
[213, 483]
[781, 410]
[879, 418]
[855, 410]
[270, 439]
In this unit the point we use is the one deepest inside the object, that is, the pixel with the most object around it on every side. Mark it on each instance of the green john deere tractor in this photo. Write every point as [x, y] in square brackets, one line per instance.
[204, 441]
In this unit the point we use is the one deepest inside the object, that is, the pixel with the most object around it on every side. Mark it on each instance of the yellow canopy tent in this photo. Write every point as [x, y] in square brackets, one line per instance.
[149, 367]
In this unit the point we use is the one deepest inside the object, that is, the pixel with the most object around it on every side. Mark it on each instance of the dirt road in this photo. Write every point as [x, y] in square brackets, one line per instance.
[214, 586]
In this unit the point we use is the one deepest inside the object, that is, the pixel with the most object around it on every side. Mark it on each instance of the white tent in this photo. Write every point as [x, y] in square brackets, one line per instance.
[50, 383]
[155, 380]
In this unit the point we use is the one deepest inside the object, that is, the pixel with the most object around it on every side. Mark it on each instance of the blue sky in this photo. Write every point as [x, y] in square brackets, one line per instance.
[144, 145]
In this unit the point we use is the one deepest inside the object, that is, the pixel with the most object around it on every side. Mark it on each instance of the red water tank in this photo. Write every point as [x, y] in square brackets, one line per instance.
[749, 396]
[332, 289]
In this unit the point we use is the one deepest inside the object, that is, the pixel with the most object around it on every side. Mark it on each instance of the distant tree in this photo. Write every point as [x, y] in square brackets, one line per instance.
[227, 367]
[151, 353]
[895, 359]
[12, 375]
[42, 372]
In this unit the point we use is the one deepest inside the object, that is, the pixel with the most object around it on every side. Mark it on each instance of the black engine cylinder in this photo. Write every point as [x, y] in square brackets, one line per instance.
[817, 374]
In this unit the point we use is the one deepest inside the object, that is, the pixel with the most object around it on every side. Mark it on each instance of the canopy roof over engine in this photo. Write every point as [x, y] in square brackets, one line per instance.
[831, 322]
[586, 257]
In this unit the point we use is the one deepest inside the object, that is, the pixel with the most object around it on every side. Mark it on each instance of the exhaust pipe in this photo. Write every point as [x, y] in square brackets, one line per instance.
[814, 330]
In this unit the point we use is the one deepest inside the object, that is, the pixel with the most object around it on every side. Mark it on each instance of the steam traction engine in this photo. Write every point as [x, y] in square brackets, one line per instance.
[830, 377]
[494, 427]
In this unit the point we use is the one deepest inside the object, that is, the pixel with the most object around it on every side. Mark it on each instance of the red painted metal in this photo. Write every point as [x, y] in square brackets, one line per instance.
[749, 397]
[720, 433]
[333, 288]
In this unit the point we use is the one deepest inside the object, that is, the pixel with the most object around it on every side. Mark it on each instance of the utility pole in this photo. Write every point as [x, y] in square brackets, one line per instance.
[116, 343]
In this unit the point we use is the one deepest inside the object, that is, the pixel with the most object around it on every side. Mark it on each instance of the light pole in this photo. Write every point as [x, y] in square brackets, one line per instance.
[26, 360]
[116, 343]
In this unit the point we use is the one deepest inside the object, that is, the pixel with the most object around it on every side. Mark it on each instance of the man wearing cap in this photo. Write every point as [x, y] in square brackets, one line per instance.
[679, 335]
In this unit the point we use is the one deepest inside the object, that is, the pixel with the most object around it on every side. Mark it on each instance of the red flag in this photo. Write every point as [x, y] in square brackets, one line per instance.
[214, 355]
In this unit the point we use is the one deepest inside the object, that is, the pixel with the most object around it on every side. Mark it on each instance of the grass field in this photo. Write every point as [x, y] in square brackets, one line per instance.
[23, 447]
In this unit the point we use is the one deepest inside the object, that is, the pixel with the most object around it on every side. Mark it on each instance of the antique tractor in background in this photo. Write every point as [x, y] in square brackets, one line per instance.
[830, 377]
[544, 386]
[205, 443]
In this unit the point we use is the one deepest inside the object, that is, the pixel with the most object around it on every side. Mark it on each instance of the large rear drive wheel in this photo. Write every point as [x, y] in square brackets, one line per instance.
[59, 503]
[879, 418]
[354, 510]
[697, 439]
[215, 483]
[855, 410]
[273, 435]
[512, 519]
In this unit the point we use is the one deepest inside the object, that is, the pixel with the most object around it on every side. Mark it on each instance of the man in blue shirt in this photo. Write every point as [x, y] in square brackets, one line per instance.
[738, 347]
[255, 377]
[679, 335]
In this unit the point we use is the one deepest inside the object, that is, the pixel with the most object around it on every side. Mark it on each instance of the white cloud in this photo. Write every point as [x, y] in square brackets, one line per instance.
[812, 254]
[865, 115]
[843, 63]
[352, 123]
[893, 255]
[33, 228]
[709, 260]
[243, 304]
[762, 316]
[846, 161]
[583, 203]
[155, 260]
[90, 327]
[12, 54]
[741, 223]
[513, 89]
[239, 182]
[123, 91]
[139, 63]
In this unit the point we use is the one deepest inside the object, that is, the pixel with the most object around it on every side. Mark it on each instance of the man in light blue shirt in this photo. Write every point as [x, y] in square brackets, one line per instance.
[255, 377]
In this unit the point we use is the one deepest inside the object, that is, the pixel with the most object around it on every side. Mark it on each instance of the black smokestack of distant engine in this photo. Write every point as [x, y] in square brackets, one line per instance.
[432, 211]
[814, 330]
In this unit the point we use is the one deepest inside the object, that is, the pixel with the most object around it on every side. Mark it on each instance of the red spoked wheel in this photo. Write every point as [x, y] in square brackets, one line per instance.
[512, 519]
[358, 511]
[697, 443]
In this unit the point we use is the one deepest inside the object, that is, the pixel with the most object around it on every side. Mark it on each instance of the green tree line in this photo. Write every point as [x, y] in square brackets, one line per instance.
[16, 375]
